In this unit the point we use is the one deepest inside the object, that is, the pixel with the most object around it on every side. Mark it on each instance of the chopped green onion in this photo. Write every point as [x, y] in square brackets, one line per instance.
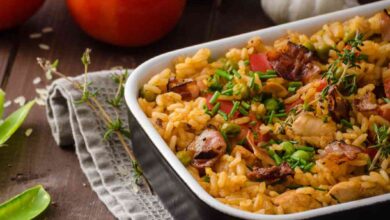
[387, 100]
[206, 179]
[215, 108]
[246, 105]
[305, 148]
[308, 166]
[243, 111]
[273, 72]
[251, 83]
[267, 76]
[275, 156]
[223, 114]
[236, 74]
[271, 116]
[236, 104]
[227, 92]
[346, 123]
[214, 98]
[246, 62]
[224, 74]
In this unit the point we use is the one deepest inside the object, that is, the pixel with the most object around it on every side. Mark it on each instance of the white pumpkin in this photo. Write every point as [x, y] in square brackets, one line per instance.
[281, 11]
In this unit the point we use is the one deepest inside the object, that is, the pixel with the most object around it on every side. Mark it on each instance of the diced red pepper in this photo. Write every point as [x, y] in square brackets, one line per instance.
[226, 106]
[259, 62]
[322, 85]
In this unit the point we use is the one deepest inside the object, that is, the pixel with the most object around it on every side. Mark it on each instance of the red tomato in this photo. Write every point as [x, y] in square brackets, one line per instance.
[15, 12]
[259, 62]
[226, 106]
[126, 22]
[386, 85]
[322, 85]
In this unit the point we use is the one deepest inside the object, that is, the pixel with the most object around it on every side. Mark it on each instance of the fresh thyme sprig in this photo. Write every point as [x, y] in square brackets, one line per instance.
[382, 143]
[114, 126]
[348, 58]
[119, 79]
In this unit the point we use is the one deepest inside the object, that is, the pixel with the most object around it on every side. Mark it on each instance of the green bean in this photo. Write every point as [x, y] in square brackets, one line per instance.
[184, 156]
[243, 111]
[231, 129]
[26, 205]
[246, 105]
[223, 114]
[275, 156]
[236, 74]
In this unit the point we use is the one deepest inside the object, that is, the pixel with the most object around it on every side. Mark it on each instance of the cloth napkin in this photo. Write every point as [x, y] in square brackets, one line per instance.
[105, 163]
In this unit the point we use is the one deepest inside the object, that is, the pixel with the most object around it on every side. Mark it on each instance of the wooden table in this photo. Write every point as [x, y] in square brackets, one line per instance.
[28, 161]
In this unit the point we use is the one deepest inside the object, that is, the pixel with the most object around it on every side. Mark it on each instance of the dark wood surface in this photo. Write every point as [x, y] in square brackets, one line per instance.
[28, 161]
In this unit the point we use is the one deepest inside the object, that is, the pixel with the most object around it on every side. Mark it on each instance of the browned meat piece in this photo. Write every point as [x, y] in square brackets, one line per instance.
[366, 103]
[342, 149]
[294, 62]
[385, 25]
[293, 201]
[208, 147]
[353, 190]
[338, 106]
[271, 174]
[188, 88]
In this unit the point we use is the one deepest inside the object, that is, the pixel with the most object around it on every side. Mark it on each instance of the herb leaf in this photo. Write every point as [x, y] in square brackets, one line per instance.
[14, 121]
[26, 205]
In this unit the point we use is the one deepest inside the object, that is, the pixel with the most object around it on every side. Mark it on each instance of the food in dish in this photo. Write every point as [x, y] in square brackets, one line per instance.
[296, 125]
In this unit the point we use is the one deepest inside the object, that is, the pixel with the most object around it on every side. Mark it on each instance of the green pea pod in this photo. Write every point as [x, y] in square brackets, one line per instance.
[27, 205]
[2, 99]
[13, 122]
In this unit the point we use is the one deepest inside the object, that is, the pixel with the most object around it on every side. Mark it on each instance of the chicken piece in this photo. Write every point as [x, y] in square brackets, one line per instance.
[188, 89]
[275, 89]
[353, 190]
[366, 103]
[341, 150]
[246, 155]
[293, 201]
[338, 107]
[384, 111]
[208, 147]
[271, 174]
[314, 130]
[258, 151]
[294, 62]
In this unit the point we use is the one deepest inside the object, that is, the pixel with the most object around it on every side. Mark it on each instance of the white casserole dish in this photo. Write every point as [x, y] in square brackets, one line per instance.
[153, 66]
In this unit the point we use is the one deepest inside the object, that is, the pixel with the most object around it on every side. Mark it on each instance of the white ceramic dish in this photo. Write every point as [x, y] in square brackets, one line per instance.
[153, 66]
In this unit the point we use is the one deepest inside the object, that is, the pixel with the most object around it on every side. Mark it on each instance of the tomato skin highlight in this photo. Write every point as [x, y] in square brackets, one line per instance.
[15, 12]
[259, 62]
[126, 22]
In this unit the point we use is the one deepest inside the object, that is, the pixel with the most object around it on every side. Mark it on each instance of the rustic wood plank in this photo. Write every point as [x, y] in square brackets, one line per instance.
[36, 159]
[8, 48]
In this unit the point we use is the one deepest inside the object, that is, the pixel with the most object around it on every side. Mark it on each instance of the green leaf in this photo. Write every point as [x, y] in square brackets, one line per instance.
[14, 121]
[27, 205]
[2, 99]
